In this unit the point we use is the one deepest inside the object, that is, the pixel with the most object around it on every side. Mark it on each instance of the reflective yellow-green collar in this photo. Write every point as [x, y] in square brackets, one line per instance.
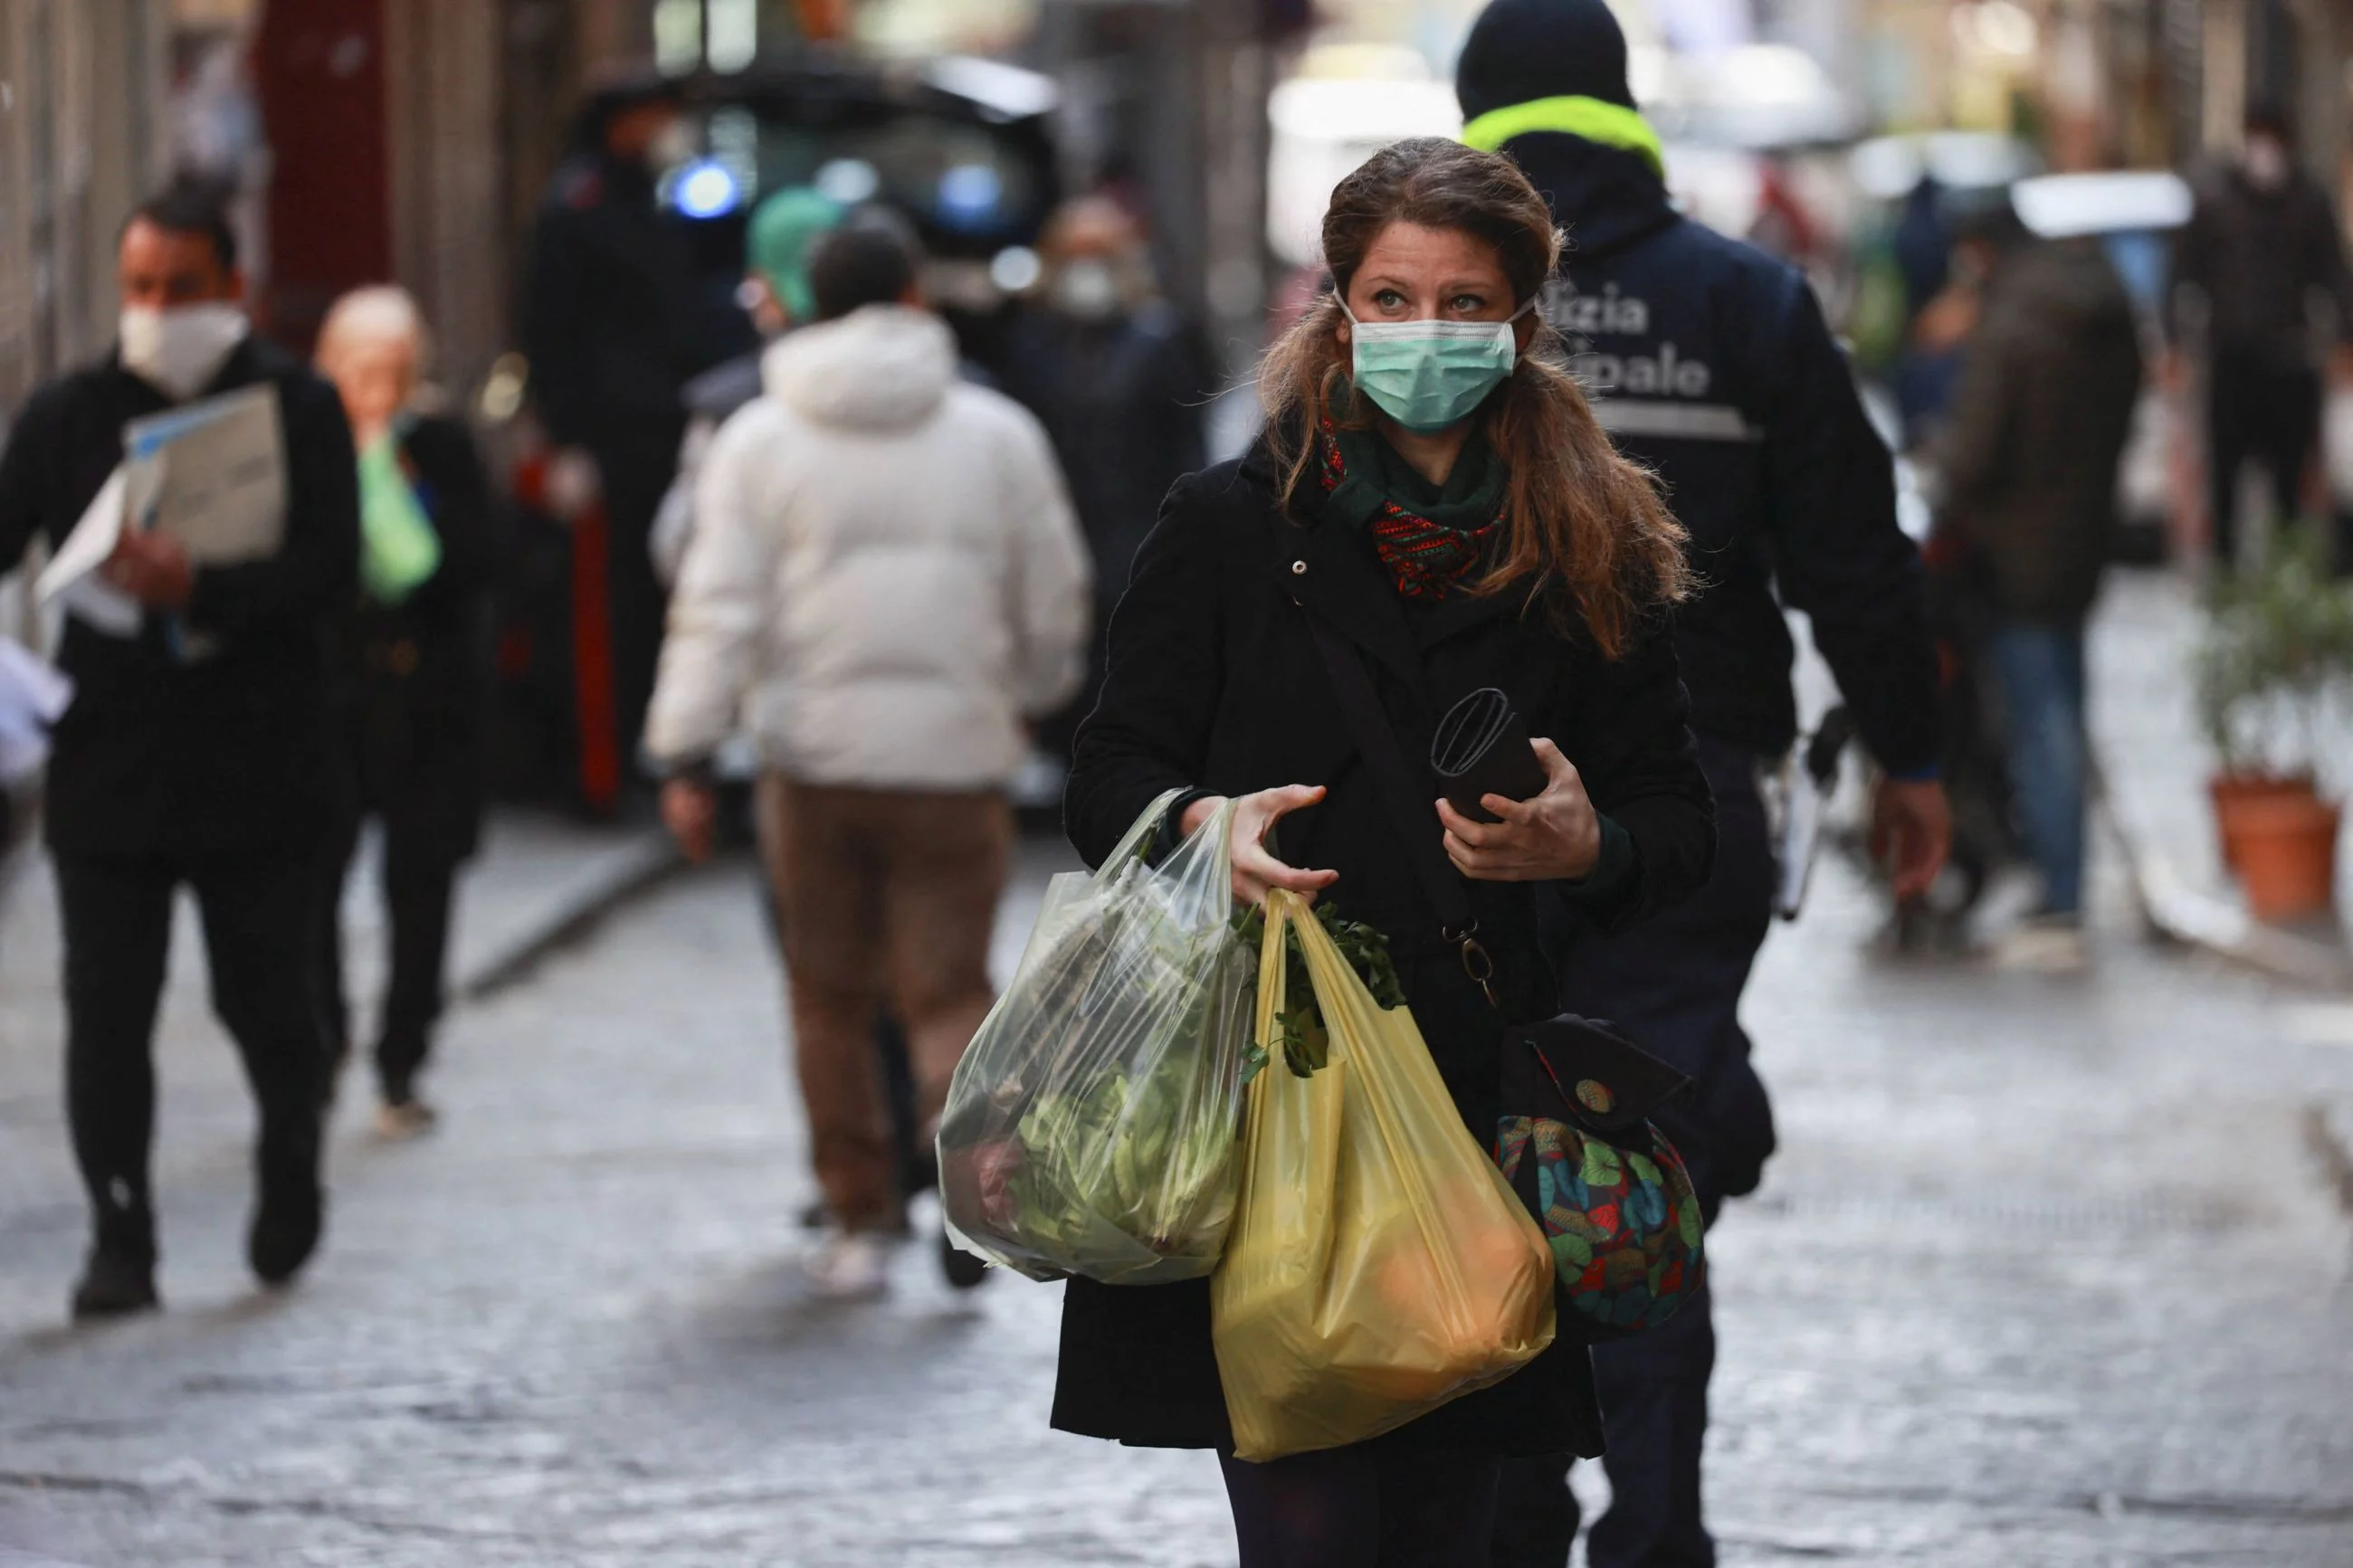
[1594, 119]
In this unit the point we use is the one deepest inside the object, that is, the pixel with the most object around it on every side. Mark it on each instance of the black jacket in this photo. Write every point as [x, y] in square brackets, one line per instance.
[2028, 455]
[218, 755]
[2248, 264]
[1215, 684]
[1122, 402]
[1709, 362]
[412, 678]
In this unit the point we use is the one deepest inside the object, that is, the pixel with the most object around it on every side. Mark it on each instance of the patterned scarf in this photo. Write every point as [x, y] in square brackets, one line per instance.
[1425, 555]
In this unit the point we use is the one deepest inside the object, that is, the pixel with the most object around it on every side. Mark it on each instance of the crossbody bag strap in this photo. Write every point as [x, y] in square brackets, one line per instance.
[1403, 793]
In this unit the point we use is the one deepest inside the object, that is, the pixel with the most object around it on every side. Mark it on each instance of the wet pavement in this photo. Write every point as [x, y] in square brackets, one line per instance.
[2048, 1273]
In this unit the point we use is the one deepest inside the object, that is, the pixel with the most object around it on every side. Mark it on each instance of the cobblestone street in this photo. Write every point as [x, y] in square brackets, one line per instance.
[2047, 1273]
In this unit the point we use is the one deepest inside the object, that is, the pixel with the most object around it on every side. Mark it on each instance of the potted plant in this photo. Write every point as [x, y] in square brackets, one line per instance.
[2275, 657]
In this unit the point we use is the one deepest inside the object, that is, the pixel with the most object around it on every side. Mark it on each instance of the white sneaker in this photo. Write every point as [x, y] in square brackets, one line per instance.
[397, 1122]
[2044, 944]
[848, 1265]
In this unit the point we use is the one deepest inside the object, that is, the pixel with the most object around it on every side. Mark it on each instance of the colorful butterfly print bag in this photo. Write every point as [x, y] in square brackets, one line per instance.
[1576, 1144]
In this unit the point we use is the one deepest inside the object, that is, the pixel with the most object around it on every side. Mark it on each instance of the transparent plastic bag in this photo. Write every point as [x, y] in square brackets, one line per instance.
[1091, 1128]
[1379, 1266]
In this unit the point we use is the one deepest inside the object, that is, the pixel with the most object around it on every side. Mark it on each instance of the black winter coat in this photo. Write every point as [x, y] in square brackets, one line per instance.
[411, 679]
[2248, 264]
[1215, 684]
[1709, 363]
[225, 754]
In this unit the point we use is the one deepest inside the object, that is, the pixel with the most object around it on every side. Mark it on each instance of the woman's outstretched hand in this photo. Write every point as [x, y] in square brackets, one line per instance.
[1555, 835]
[1255, 870]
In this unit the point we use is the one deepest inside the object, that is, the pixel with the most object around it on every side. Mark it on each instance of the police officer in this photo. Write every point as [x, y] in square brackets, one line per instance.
[614, 328]
[196, 752]
[1709, 361]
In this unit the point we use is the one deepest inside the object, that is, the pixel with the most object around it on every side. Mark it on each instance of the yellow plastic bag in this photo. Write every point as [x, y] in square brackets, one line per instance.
[1378, 1266]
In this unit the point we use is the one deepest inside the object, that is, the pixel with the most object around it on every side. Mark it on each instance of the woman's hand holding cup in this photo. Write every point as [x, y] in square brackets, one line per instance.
[1555, 836]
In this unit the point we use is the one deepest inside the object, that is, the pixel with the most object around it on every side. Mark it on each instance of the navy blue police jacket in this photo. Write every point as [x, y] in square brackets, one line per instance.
[1709, 362]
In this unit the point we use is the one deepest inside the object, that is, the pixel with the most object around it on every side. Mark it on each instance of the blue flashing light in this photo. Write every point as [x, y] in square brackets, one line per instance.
[970, 196]
[705, 189]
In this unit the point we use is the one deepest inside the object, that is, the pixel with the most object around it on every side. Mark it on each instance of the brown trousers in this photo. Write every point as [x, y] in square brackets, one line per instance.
[886, 895]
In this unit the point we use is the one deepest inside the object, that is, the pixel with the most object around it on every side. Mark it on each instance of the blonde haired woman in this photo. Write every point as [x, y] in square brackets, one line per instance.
[410, 666]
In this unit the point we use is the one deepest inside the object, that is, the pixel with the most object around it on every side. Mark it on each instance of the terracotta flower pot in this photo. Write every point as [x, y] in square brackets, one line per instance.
[2225, 790]
[2287, 853]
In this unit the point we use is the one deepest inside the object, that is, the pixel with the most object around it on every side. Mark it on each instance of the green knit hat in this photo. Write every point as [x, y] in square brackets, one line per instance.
[777, 246]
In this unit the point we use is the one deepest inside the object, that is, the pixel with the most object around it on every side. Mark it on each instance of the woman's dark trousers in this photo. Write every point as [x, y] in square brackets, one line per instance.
[1673, 986]
[1382, 1504]
[419, 885]
[117, 915]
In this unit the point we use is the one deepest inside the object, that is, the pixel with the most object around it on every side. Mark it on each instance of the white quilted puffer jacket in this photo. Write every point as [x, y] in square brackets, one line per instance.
[885, 577]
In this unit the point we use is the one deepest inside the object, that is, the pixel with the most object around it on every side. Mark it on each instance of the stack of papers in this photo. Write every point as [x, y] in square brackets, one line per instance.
[32, 696]
[210, 474]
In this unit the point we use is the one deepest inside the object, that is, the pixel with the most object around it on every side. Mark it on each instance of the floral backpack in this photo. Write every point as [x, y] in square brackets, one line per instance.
[1610, 1191]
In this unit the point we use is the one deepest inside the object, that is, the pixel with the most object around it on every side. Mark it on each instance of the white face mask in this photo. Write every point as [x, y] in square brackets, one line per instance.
[2267, 162]
[1087, 289]
[179, 351]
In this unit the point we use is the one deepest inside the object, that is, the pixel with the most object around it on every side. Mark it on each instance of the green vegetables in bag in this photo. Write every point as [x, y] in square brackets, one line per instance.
[1298, 1028]
[1112, 1157]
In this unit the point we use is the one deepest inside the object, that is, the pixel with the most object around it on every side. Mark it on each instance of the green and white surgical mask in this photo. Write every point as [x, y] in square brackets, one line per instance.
[1428, 375]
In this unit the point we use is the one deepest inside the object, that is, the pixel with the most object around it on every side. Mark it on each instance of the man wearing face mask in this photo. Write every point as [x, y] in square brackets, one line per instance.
[2261, 259]
[1709, 363]
[614, 327]
[196, 752]
[1119, 378]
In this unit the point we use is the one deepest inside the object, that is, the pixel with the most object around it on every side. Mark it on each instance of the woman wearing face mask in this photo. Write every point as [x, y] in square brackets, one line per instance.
[1432, 485]
[411, 666]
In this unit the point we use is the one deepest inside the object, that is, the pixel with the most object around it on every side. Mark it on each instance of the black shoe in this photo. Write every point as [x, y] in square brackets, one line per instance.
[964, 1272]
[918, 1173]
[285, 1233]
[115, 1283]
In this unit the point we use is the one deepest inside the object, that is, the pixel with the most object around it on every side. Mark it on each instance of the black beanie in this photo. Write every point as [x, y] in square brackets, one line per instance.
[1522, 51]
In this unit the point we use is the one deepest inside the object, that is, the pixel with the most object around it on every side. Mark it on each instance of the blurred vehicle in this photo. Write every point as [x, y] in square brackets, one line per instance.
[961, 148]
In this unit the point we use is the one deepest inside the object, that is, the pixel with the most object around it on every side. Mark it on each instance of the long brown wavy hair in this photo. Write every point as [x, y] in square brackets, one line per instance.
[1585, 530]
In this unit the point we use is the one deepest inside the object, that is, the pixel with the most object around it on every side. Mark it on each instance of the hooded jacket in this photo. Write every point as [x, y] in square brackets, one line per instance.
[2039, 424]
[885, 578]
[1709, 362]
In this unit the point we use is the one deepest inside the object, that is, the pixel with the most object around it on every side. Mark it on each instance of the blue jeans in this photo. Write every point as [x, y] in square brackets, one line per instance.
[2040, 665]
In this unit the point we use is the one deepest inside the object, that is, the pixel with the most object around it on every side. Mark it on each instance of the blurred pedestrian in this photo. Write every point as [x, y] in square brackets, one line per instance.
[885, 583]
[776, 284]
[609, 318]
[195, 751]
[1711, 364]
[1430, 486]
[2260, 257]
[412, 660]
[785, 226]
[2028, 469]
[1120, 381]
